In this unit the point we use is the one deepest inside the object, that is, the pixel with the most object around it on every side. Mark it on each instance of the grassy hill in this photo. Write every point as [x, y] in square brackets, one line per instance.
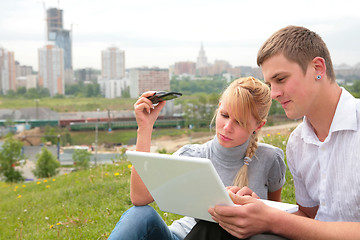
[70, 104]
[80, 205]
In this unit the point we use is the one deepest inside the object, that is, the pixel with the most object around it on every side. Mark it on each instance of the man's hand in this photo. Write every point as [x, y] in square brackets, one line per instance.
[248, 218]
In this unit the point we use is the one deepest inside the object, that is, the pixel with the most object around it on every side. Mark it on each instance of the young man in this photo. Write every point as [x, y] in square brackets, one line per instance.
[323, 152]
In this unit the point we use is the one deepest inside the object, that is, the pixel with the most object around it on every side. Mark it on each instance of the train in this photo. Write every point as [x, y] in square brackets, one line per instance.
[102, 123]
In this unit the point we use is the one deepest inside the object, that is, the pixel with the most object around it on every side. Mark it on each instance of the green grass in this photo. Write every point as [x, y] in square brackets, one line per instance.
[288, 192]
[80, 205]
[70, 104]
[119, 136]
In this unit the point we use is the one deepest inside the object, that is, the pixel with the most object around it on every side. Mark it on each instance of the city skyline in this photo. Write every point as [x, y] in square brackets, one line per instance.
[160, 33]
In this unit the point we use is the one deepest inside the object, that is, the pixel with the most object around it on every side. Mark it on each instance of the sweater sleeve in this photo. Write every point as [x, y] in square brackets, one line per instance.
[277, 171]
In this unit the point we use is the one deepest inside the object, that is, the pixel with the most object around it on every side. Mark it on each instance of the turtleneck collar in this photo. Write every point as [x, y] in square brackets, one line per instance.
[229, 154]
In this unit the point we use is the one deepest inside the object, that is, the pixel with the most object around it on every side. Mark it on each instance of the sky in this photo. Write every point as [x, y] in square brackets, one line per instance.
[162, 32]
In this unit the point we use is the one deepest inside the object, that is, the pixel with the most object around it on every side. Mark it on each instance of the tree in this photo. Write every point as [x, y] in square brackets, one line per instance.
[66, 138]
[200, 111]
[9, 157]
[20, 91]
[46, 165]
[81, 159]
[34, 93]
[51, 134]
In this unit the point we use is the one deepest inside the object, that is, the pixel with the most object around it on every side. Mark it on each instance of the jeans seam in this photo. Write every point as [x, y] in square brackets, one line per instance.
[149, 233]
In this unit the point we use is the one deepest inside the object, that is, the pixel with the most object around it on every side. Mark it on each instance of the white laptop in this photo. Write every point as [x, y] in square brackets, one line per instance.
[187, 186]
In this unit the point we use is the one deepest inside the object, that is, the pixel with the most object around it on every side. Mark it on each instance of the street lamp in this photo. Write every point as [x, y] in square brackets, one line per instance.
[37, 108]
[96, 135]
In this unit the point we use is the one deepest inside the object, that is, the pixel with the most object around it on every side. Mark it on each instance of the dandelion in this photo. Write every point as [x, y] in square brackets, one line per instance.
[23, 185]
[106, 174]
[19, 196]
[58, 224]
[268, 135]
[117, 174]
[38, 182]
[278, 133]
[129, 166]
[54, 180]
[65, 174]
[51, 226]
[16, 187]
[45, 180]
[47, 186]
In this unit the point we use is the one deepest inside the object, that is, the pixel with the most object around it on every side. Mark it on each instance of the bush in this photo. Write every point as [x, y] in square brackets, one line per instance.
[9, 157]
[81, 159]
[46, 165]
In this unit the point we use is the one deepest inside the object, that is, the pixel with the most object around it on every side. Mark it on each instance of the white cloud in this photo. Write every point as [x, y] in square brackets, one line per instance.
[160, 32]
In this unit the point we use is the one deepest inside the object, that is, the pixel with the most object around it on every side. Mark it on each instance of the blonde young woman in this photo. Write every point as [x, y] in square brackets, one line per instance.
[234, 151]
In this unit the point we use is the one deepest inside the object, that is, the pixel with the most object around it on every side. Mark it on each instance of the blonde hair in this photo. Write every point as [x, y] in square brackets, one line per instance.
[245, 97]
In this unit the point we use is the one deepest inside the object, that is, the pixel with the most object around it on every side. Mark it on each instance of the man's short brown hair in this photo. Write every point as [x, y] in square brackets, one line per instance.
[297, 44]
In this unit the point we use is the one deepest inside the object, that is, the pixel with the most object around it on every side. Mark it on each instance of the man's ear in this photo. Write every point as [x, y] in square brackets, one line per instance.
[319, 66]
[260, 125]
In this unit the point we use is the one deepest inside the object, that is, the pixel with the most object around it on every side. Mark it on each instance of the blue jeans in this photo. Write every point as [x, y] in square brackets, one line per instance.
[142, 222]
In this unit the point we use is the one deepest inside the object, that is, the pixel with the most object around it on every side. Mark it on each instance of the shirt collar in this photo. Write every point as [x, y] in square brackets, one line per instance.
[345, 118]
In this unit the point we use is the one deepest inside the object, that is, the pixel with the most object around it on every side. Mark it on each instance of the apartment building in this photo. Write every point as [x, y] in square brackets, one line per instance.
[51, 69]
[113, 80]
[147, 79]
[7, 71]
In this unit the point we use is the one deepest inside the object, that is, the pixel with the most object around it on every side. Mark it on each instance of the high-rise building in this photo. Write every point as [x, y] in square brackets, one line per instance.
[202, 59]
[185, 68]
[113, 81]
[7, 71]
[54, 22]
[148, 79]
[220, 66]
[113, 63]
[51, 69]
[62, 38]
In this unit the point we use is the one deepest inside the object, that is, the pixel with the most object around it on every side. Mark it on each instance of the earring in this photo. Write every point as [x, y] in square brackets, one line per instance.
[318, 77]
[254, 132]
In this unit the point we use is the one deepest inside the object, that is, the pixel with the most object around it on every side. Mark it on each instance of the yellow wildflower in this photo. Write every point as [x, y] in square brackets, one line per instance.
[23, 185]
[129, 166]
[51, 226]
[45, 180]
[19, 196]
[117, 174]
[54, 180]
[38, 182]
[47, 186]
